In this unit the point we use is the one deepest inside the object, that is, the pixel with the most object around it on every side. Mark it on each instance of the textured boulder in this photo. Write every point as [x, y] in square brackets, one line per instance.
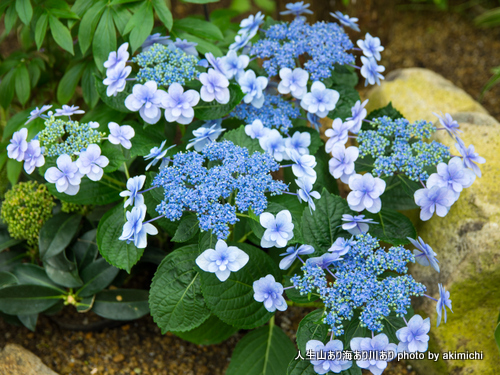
[467, 240]
[15, 360]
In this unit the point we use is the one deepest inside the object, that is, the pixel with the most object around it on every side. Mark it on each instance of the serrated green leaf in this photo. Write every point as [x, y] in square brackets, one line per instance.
[57, 233]
[175, 297]
[96, 277]
[187, 229]
[17, 299]
[265, 351]
[393, 227]
[61, 34]
[212, 331]
[197, 27]
[163, 13]
[119, 253]
[300, 367]
[41, 29]
[311, 327]
[121, 304]
[88, 25]
[24, 10]
[104, 39]
[348, 97]
[240, 138]
[69, 82]
[214, 110]
[232, 301]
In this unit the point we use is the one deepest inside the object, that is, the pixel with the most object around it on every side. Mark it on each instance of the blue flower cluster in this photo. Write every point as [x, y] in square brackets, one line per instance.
[325, 44]
[399, 147]
[76, 137]
[210, 182]
[358, 284]
[165, 65]
[276, 112]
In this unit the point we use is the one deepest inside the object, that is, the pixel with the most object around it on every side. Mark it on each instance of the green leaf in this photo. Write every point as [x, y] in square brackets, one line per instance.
[187, 229]
[91, 192]
[24, 10]
[57, 233]
[342, 75]
[61, 34]
[121, 304]
[145, 138]
[164, 13]
[214, 110]
[353, 328]
[118, 253]
[203, 46]
[311, 327]
[392, 323]
[321, 227]
[18, 299]
[393, 227]
[232, 300]
[85, 304]
[265, 351]
[206, 240]
[10, 259]
[41, 29]
[29, 321]
[85, 249]
[88, 25]
[23, 87]
[97, 276]
[89, 90]
[10, 18]
[69, 81]
[300, 367]
[63, 271]
[240, 138]
[388, 111]
[212, 331]
[197, 27]
[15, 123]
[200, 1]
[6, 242]
[30, 274]
[175, 297]
[121, 16]
[7, 278]
[143, 22]
[7, 86]
[104, 39]
[348, 97]
[116, 154]
[116, 102]
[13, 170]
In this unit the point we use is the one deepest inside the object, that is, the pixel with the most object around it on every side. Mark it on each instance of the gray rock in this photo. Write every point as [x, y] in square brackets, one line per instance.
[15, 360]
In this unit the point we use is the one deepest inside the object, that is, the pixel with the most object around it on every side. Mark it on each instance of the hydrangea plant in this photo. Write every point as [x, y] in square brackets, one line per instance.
[210, 149]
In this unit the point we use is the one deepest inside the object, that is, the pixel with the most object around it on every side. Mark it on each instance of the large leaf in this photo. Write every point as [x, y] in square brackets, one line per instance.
[117, 252]
[321, 227]
[163, 13]
[19, 299]
[24, 10]
[121, 304]
[175, 297]
[265, 351]
[62, 270]
[61, 34]
[91, 192]
[240, 138]
[41, 30]
[57, 233]
[214, 110]
[88, 25]
[212, 331]
[97, 276]
[311, 327]
[22, 83]
[401, 194]
[393, 227]
[30, 274]
[198, 27]
[104, 39]
[232, 300]
[7, 278]
[353, 328]
[300, 367]
[29, 321]
[141, 25]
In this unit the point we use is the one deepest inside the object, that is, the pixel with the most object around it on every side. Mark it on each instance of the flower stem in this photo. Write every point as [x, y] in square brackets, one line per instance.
[113, 180]
[245, 236]
[126, 170]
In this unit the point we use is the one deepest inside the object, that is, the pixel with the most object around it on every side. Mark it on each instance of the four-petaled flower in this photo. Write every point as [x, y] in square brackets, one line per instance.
[252, 86]
[293, 253]
[119, 57]
[146, 99]
[345, 20]
[279, 229]
[438, 199]
[443, 302]
[66, 175]
[215, 86]
[320, 100]
[296, 9]
[222, 260]
[413, 337]
[298, 143]
[205, 134]
[470, 157]
[135, 229]
[371, 46]
[18, 145]
[371, 71]
[120, 135]
[424, 255]
[323, 362]
[377, 345]
[91, 162]
[341, 246]
[179, 104]
[269, 291]
[366, 192]
[304, 166]
[240, 41]
[38, 113]
[157, 154]
[134, 185]
[356, 224]
[293, 82]
[68, 111]
[274, 144]
[338, 134]
[341, 165]
[450, 125]
[189, 48]
[155, 39]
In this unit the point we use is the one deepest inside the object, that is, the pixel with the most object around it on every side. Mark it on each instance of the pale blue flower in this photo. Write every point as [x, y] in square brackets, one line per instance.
[146, 99]
[240, 41]
[279, 229]
[296, 9]
[470, 157]
[179, 104]
[189, 48]
[94, 124]
[314, 120]
[274, 144]
[293, 82]
[269, 291]
[341, 165]
[450, 125]
[324, 261]
[414, 338]
[135, 229]
[91, 162]
[320, 100]
[256, 130]
[205, 134]
[443, 302]
[304, 166]
[366, 192]
[155, 39]
[250, 25]
[116, 79]
[234, 65]
[453, 175]
[323, 361]
[33, 156]
[68, 111]
[134, 185]
[120, 135]
[337, 134]
[18, 145]
[215, 86]
[358, 114]
[119, 57]
[341, 246]
[371, 71]
[379, 345]
[222, 260]
[253, 87]
[38, 113]
[299, 143]
[356, 224]
[371, 46]
[424, 255]
[345, 20]
[157, 154]
[305, 192]
[216, 62]
[293, 253]
[66, 175]
[438, 199]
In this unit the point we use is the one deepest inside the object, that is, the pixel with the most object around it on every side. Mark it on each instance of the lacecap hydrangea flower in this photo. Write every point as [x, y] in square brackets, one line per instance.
[279, 229]
[329, 357]
[66, 175]
[414, 337]
[135, 230]
[381, 352]
[222, 260]
[269, 291]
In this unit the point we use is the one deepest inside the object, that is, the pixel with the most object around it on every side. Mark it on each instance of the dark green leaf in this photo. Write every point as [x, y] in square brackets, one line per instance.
[41, 29]
[342, 75]
[85, 304]
[393, 227]
[201, 1]
[10, 259]
[104, 39]
[88, 25]
[353, 328]
[300, 367]
[265, 351]
[57, 233]
[388, 111]
[18, 299]
[61, 34]
[232, 300]
[116, 102]
[212, 331]
[97, 276]
[348, 97]
[163, 13]
[121, 16]
[311, 327]
[197, 27]
[7, 86]
[240, 138]
[13, 170]
[23, 87]
[91, 192]
[116, 154]
[145, 139]
[10, 18]
[175, 300]
[187, 229]
[143, 22]
[118, 253]
[63, 271]
[121, 304]
[24, 10]
[15, 122]
[6, 241]
[69, 81]
[30, 274]
[7, 278]
[89, 90]
[214, 110]
[85, 249]
[29, 321]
